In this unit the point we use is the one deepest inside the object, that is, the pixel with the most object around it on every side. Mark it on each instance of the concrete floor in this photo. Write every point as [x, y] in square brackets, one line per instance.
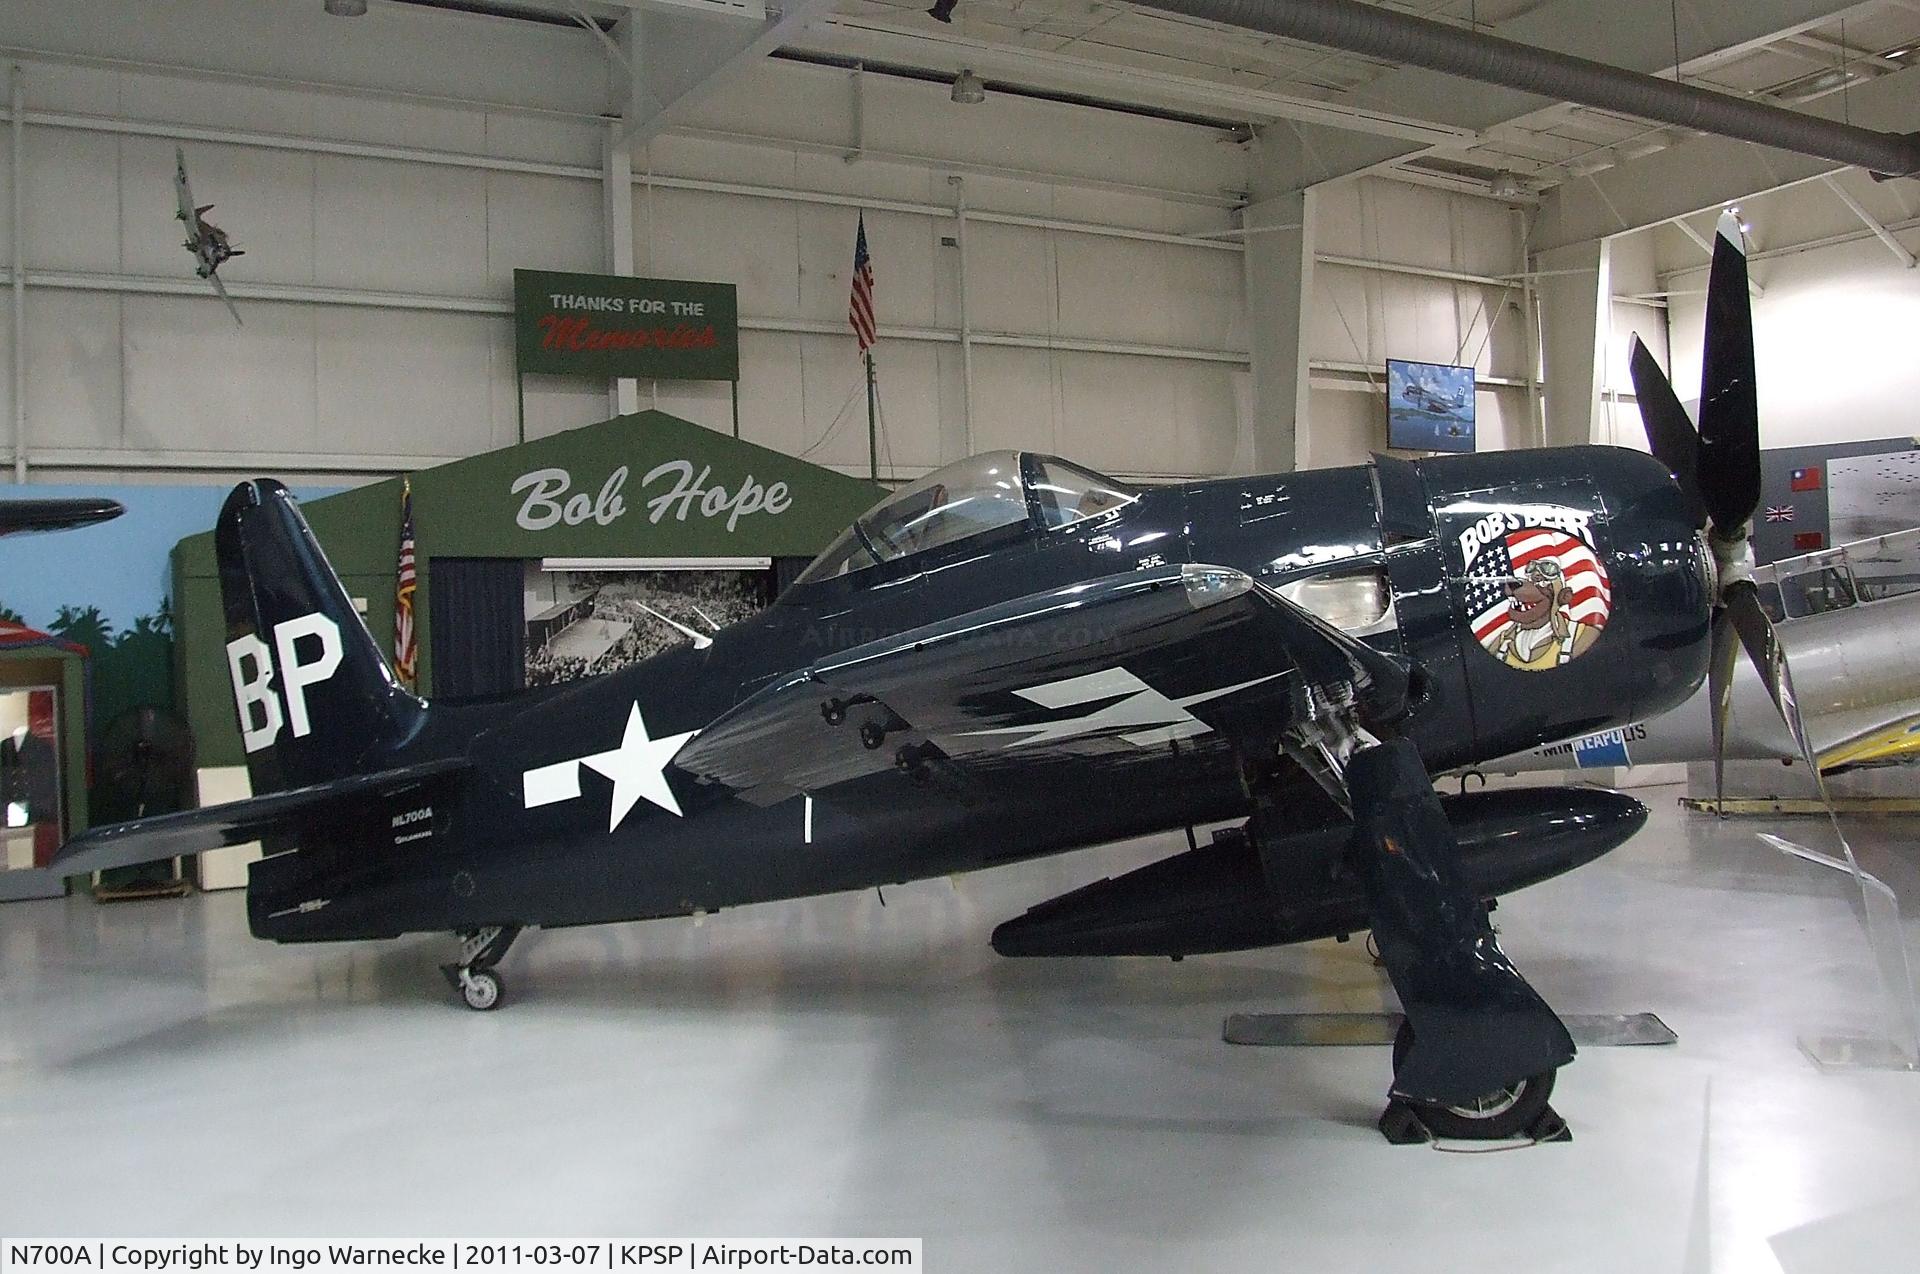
[836, 1067]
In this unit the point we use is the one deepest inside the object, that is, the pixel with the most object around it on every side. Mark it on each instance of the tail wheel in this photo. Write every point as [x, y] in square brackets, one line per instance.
[1495, 1116]
[482, 989]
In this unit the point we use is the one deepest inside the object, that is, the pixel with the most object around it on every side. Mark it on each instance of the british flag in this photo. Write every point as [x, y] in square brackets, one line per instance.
[1779, 513]
[1589, 598]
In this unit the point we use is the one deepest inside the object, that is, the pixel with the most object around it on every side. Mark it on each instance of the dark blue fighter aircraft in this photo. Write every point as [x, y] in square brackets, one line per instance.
[1013, 657]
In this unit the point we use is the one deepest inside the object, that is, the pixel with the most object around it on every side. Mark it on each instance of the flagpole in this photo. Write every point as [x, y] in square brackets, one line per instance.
[873, 437]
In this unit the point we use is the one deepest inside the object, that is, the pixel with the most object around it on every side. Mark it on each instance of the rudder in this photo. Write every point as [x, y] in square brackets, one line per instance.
[315, 698]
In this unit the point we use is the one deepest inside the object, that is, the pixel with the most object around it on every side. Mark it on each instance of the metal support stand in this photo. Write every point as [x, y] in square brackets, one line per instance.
[1345, 1030]
[1897, 1046]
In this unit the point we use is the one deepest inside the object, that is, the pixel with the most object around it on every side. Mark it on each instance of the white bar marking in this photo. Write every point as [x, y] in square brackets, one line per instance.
[551, 784]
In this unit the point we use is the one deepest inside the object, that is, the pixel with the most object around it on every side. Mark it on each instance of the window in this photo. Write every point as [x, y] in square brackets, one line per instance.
[1069, 494]
[842, 557]
[970, 496]
[964, 499]
[987, 492]
[1818, 591]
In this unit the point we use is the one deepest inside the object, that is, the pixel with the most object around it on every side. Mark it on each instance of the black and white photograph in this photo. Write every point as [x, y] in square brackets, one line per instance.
[588, 623]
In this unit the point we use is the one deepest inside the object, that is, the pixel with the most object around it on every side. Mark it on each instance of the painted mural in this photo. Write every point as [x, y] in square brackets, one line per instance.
[107, 587]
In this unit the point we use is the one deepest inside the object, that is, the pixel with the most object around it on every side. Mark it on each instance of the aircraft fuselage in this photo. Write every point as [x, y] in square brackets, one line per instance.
[573, 814]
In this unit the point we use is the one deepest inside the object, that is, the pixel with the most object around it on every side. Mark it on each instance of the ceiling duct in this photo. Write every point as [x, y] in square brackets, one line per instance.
[1376, 32]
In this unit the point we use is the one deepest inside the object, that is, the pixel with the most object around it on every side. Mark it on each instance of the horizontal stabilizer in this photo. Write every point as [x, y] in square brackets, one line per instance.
[147, 840]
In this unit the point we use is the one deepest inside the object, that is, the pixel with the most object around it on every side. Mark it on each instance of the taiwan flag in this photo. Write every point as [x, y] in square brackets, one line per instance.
[1805, 479]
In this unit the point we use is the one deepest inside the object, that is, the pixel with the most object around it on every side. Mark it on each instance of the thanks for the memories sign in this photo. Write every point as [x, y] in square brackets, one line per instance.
[613, 325]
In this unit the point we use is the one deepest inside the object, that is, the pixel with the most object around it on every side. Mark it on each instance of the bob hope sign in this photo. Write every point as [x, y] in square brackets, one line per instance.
[611, 325]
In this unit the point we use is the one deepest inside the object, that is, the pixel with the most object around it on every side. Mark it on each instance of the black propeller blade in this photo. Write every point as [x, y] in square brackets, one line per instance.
[1719, 471]
[1669, 430]
[1729, 467]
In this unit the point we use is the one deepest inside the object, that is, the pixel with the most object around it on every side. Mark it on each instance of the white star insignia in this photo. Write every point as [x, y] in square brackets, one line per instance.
[638, 769]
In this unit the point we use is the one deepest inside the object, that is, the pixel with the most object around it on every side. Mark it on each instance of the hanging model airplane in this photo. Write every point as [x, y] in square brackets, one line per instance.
[1016, 657]
[56, 514]
[207, 242]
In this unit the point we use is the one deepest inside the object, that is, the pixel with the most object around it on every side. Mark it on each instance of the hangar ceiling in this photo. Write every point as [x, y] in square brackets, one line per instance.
[1318, 113]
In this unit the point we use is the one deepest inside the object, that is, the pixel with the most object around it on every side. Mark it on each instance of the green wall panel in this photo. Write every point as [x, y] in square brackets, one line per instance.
[647, 485]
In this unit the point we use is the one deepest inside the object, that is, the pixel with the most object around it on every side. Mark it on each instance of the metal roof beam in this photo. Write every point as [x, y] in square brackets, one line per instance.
[679, 52]
[1703, 173]
[1872, 222]
[880, 40]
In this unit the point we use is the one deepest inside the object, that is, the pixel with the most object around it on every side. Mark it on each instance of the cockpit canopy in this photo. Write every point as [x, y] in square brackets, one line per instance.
[967, 498]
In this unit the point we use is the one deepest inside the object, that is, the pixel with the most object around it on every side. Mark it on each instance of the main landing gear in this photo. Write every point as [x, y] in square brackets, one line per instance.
[1477, 1056]
[473, 974]
[1518, 1109]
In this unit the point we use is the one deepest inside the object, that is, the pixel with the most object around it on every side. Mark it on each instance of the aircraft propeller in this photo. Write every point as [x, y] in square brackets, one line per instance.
[1718, 468]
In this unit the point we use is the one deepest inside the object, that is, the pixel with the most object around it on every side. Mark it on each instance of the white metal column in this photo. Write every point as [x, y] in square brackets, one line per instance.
[966, 327]
[616, 179]
[1279, 286]
[17, 179]
[1575, 317]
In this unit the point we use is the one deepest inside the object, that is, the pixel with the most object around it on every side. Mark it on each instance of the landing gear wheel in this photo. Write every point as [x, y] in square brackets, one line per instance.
[482, 989]
[1506, 1112]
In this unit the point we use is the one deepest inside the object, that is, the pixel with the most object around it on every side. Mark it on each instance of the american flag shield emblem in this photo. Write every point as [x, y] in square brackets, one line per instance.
[406, 645]
[1538, 597]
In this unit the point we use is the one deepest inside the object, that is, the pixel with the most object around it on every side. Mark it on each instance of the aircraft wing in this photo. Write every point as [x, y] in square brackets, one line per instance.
[146, 840]
[1874, 737]
[221, 289]
[1133, 661]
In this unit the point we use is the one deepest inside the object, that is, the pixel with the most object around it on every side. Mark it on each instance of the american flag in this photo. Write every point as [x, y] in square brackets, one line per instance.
[1589, 597]
[1779, 513]
[860, 308]
[406, 645]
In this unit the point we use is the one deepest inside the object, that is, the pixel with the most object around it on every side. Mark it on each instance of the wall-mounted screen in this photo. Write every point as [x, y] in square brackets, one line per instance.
[1429, 406]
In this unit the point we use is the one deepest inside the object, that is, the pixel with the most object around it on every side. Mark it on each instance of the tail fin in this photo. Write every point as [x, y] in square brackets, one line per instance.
[315, 698]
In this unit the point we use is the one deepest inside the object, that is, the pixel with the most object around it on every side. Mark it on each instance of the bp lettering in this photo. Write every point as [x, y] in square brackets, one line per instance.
[306, 651]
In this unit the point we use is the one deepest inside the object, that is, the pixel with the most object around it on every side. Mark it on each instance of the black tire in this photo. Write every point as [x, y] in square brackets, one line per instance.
[1495, 1117]
[482, 991]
